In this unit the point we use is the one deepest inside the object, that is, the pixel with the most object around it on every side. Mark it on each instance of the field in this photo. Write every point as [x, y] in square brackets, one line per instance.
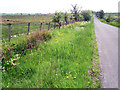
[113, 14]
[114, 19]
[19, 23]
[60, 58]
[26, 18]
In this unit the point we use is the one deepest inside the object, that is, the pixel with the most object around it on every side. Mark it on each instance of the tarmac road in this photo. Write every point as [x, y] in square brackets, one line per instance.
[107, 40]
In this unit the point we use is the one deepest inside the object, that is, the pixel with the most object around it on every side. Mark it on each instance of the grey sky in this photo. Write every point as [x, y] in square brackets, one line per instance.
[50, 6]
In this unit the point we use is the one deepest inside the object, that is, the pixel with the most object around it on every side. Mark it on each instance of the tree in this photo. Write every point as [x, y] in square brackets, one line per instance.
[66, 17]
[93, 12]
[81, 18]
[97, 14]
[108, 18]
[71, 18]
[100, 14]
[86, 14]
[57, 17]
[75, 11]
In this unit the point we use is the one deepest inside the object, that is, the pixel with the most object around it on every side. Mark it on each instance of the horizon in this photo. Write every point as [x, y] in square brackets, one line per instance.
[39, 13]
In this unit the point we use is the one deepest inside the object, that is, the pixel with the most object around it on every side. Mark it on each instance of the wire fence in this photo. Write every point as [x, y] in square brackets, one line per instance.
[27, 28]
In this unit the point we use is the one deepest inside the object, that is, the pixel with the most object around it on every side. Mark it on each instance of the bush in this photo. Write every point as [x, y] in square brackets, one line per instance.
[75, 11]
[86, 14]
[11, 52]
[57, 17]
[100, 14]
[66, 18]
[118, 20]
[109, 18]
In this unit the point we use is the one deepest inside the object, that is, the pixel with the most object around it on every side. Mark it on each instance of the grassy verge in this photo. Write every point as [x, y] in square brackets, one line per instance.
[95, 69]
[68, 60]
[110, 23]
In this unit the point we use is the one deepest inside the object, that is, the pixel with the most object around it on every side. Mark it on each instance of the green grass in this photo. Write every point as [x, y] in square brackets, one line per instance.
[22, 28]
[20, 23]
[65, 61]
[110, 23]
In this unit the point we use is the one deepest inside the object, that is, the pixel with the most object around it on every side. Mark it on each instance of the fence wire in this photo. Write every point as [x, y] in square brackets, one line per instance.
[27, 28]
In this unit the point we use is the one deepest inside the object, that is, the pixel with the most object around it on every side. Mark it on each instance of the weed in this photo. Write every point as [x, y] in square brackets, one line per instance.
[62, 62]
[11, 49]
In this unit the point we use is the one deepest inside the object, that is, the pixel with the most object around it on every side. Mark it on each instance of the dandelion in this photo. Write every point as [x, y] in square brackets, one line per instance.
[66, 73]
[70, 74]
[67, 76]
[74, 77]
[88, 82]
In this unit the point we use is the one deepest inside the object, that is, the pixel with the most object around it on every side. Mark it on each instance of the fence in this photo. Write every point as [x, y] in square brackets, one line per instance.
[25, 28]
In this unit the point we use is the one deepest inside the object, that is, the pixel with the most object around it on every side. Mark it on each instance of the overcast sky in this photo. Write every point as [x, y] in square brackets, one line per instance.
[50, 6]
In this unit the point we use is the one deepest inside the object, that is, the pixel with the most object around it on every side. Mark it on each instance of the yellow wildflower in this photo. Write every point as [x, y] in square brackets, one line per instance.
[67, 76]
[74, 77]
[88, 82]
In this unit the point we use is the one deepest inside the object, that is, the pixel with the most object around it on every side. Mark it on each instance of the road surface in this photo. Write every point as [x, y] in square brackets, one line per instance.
[107, 40]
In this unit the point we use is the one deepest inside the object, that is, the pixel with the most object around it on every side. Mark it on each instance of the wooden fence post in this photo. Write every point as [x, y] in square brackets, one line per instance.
[63, 24]
[59, 25]
[73, 21]
[9, 31]
[48, 25]
[54, 25]
[40, 26]
[28, 28]
[68, 22]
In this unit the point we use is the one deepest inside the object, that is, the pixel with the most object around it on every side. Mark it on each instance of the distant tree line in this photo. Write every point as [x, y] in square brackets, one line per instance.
[75, 15]
[100, 14]
[106, 16]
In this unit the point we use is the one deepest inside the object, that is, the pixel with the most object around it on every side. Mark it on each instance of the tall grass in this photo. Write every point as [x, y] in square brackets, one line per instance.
[62, 62]
[18, 29]
[113, 23]
[19, 24]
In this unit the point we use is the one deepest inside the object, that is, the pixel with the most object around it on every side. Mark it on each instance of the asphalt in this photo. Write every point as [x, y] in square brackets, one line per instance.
[107, 40]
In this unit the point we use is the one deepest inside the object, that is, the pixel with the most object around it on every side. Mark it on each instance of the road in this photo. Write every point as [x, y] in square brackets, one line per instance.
[107, 40]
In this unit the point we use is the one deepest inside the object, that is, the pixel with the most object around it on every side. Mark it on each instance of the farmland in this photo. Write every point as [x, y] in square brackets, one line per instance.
[111, 19]
[59, 44]
[26, 18]
[19, 23]
[59, 58]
